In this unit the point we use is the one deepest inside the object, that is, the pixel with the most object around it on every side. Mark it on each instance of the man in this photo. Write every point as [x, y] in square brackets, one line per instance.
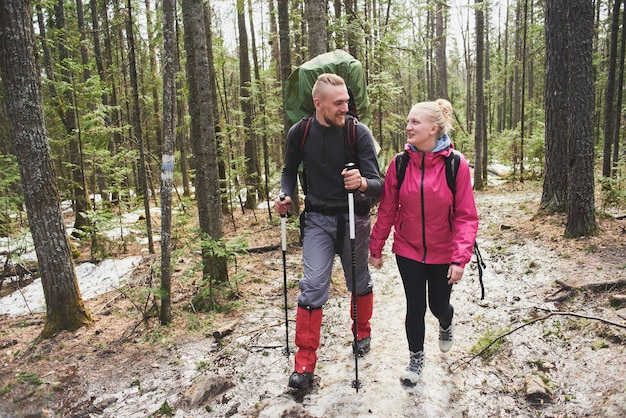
[325, 230]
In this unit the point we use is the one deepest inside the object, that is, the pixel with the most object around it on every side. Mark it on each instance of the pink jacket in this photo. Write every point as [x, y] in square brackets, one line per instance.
[427, 228]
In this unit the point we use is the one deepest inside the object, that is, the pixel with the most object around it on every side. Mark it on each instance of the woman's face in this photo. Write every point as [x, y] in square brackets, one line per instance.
[420, 131]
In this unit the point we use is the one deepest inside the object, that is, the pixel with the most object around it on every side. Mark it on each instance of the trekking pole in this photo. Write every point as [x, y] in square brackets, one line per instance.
[356, 383]
[283, 233]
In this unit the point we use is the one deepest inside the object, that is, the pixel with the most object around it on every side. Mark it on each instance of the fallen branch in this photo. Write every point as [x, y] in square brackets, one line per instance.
[264, 249]
[268, 248]
[593, 286]
[571, 290]
[617, 300]
[532, 321]
[225, 330]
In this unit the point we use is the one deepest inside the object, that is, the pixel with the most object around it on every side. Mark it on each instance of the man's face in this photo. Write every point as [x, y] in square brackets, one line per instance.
[332, 105]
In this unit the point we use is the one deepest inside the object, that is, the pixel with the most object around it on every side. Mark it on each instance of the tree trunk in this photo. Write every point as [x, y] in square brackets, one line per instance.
[113, 80]
[285, 71]
[339, 34]
[97, 53]
[299, 32]
[554, 195]
[84, 55]
[136, 122]
[274, 38]
[431, 80]
[620, 93]
[522, 90]
[285, 51]
[204, 146]
[480, 96]
[167, 163]
[182, 133]
[154, 90]
[611, 115]
[65, 309]
[581, 218]
[440, 50]
[67, 109]
[212, 76]
[315, 15]
[505, 86]
[245, 97]
[260, 95]
[353, 24]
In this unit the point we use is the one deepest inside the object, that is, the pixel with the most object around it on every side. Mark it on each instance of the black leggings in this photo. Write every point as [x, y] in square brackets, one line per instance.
[415, 275]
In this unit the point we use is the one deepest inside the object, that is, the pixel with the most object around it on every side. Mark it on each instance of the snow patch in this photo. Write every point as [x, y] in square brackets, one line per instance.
[93, 280]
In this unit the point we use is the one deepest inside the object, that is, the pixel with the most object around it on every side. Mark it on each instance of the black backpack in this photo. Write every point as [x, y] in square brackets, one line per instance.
[452, 168]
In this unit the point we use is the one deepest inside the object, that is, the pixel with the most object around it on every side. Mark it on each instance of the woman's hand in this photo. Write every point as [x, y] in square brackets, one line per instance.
[455, 273]
[377, 263]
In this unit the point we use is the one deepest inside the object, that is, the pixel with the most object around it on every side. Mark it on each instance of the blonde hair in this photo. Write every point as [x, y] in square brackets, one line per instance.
[327, 79]
[439, 112]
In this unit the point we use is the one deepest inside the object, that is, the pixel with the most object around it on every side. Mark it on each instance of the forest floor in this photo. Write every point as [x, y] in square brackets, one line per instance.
[562, 351]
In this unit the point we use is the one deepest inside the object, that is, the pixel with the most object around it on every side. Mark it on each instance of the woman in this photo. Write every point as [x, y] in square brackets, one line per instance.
[434, 229]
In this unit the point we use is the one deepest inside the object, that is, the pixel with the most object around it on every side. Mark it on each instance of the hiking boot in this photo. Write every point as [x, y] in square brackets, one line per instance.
[446, 337]
[301, 381]
[361, 347]
[412, 373]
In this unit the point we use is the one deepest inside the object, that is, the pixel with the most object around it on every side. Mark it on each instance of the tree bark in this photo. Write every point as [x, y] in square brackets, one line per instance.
[285, 51]
[69, 116]
[212, 76]
[581, 218]
[620, 94]
[611, 115]
[285, 71]
[136, 122]
[84, 55]
[440, 50]
[554, 195]
[154, 88]
[480, 96]
[315, 14]
[203, 143]
[65, 309]
[245, 98]
[168, 159]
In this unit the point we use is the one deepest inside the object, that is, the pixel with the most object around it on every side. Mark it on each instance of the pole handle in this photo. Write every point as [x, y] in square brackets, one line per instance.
[283, 225]
[348, 167]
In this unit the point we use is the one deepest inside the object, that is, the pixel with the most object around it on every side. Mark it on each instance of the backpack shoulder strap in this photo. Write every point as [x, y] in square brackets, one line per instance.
[305, 124]
[481, 266]
[452, 168]
[350, 144]
[351, 125]
[349, 134]
[402, 159]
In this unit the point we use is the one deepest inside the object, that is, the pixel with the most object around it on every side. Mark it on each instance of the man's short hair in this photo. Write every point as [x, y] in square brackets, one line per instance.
[326, 78]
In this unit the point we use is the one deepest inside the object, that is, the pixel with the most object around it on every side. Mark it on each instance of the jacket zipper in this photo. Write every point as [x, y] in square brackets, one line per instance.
[422, 204]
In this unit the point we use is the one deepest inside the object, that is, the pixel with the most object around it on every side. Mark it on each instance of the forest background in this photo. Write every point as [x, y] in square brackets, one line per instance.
[100, 98]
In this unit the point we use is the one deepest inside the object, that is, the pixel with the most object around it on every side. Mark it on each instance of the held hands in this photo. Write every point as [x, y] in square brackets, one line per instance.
[282, 206]
[352, 180]
[455, 273]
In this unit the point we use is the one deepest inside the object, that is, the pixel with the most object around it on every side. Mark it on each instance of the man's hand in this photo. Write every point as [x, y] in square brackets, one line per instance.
[352, 179]
[282, 206]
